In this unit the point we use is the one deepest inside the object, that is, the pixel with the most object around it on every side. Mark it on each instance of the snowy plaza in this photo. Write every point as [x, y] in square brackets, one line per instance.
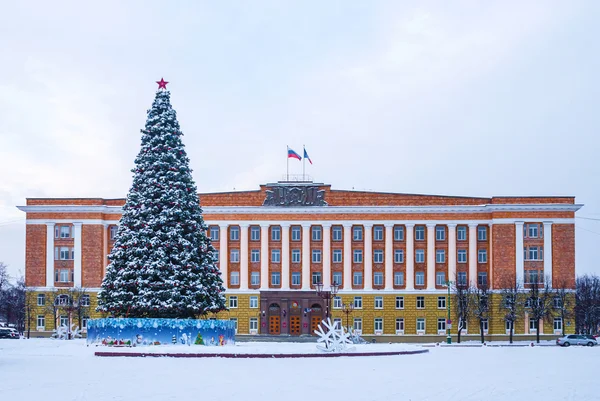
[41, 369]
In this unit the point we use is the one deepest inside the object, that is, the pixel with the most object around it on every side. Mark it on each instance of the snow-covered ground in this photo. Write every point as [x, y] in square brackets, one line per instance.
[47, 370]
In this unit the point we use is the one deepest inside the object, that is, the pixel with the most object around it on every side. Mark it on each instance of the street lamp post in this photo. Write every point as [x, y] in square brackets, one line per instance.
[327, 295]
[348, 309]
[449, 321]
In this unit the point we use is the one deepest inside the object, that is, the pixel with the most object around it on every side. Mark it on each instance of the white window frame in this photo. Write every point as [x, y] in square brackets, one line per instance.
[378, 326]
[482, 233]
[479, 280]
[398, 255]
[357, 233]
[234, 233]
[420, 233]
[420, 302]
[358, 302]
[112, 232]
[254, 233]
[399, 279]
[275, 256]
[440, 256]
[440, 233]
[296, 233]
[254, 278]
[84, 300]
[441, 326]
[213, 232]
[377, 233]
[234, 255]
[507, 325]
[533, 230]
[63, 275]
[439, 282]
[357, 325]
[421, 322]
[337, 233]
[275, 279]
[41, 299]
[63, 321]
[461, 256]
[233, 302]
[253, 325]
[357, 256]
[234, 278]
[216, 255]
[316, 233]
[316, 256]
[400, 326]
[253, 302]
[335, 277]
[316, 278]
[235, 320]
[486, 326]
[533, 322]
[461, 233]
[482, 256]
[420, 279]
[378, 256]
[441, 302]
[337, 302]
[357, 278]
[378, 302]
[399, 233]
[337, 256]
[296, 256]
[419, 255]
[378, 278]
[254, 255]
[459, 281]
[296, 278]
[65, 232]
[557, 325]
[275, 233]
[399, 302]
[40, 319]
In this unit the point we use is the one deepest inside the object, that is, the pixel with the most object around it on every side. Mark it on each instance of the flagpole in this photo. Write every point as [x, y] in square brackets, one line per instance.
[303, 163]
[288, 164]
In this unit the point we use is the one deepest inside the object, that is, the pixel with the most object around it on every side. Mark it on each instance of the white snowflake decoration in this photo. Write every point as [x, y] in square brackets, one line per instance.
[335, 337]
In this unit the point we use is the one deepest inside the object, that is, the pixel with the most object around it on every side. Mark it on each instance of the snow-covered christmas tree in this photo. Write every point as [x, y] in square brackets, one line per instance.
[162, 263]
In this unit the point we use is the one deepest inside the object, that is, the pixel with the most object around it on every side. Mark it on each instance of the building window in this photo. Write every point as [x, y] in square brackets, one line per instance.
[62, 275]
[337, 302]
[235, 323]
[296, 233]
[357, 278]
[234, 255]
[41, 299]
[440, 256]
[420, 233]
[62, 300]
[337, 278]
[253, 324]
[316, 256]
[316, 278]
[420, 278]
[441, 324]
[41, 322]
[255, 255]
[462, 256]
[420, 302]
[508, 326]
[357, 302]
[275, 233]
[398, 233]
[378, 278]
[532, 230]
[461, 278]
[234, 278]
[399, 326]
[399, 302]
[337, 256]
[275, 255]
[557, 324]
[378, 256]
[484, 323]
[214, 233]
[398, 278]
[84, 322]
[482, 233]
[534, 253]
[216, 255]
[442, 302]
[399, 256]
[377, 233]
[420, 256]
[358, 256]
[461, 233]
[556, 303]
[84, 300]
[64, 321]
[296, 256]
[275, 279]
[296, 278]
[420, 325]
[253, 302]
[113, 232]
[254, 278]
[440, 233]
[357, 233]
[234, 233]
[358, 324]
[316, 233]
[336, 233]
[233, 301]
[532, 277]
[482, 256]
[378, 302]
[65, 231]
[440, 278]
[254, 233]
[64, 253]
[482, 279]
[462, 324]
[378, 325]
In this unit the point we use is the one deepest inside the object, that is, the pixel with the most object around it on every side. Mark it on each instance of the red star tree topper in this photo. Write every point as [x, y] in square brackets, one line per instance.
[162, 84]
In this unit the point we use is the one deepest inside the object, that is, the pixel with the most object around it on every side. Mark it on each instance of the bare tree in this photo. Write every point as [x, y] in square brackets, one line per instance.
[539, 302]
[54, 302]
[463, 302]
[587, 304]
[481, 307]
[563, 302]
[78, 305]
[512, 304]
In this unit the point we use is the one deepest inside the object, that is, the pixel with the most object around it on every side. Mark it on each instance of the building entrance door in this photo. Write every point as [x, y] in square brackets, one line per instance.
[314, 324]
[274, 325]
[294, 325]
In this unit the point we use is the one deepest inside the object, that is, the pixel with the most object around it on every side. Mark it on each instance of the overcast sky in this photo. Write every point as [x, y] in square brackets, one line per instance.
[466, 98]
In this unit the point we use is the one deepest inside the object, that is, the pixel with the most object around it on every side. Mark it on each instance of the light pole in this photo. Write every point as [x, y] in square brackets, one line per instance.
[327, 295]
[348, 309]
[448, 322]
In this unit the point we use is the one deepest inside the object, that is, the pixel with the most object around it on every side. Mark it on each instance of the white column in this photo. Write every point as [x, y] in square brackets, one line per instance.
[520, 266]
[452, 252]
[473, 254]
[264, 256]
[243, 256]
[306, 256]
[547, 252]
[285, 256]
[368, 257]
[389, 256]
[490, 258]
[105, 248]
[223, 254]
[347, 256]
[49, 254]
[77, 256]
[327, 256]
[430, 256]
[410, 257]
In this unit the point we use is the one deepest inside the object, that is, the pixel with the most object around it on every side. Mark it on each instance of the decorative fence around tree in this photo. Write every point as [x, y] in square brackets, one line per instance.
[144, 332]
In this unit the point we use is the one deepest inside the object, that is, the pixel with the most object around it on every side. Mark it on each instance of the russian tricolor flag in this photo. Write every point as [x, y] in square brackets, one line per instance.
[293, 154]
[306, 156]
